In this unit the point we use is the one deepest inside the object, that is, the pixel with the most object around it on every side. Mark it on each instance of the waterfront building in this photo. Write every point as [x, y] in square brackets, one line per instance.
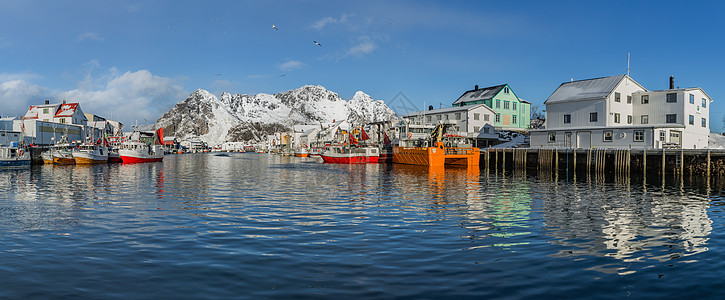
[617, 112]
[511, 112]
[468, 124]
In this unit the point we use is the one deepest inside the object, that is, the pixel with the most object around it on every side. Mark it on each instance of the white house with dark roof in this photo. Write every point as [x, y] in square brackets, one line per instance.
[49, 123]
[617, 112]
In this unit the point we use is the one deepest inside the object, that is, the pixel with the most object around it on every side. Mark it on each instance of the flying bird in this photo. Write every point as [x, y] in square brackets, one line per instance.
[318, 44]
[217, 19]
[283, 75]
[218, 74]
[275, 27]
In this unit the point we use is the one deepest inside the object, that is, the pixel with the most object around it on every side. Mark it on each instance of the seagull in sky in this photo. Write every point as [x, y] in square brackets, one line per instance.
[318, 44]
[217, 19]
[217, 74]
[275, 27]
[283, 75]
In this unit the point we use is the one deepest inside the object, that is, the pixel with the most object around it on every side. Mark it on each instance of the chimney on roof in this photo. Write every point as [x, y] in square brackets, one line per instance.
[672, 82]
[430, 107]
[475, 88]
[47, 101]
[63, 101]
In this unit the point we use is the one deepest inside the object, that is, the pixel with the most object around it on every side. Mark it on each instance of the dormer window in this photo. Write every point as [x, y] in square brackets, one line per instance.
[506, 90]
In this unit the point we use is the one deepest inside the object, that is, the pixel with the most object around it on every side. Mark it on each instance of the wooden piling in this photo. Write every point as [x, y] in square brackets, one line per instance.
[663, 163]
[644, 163]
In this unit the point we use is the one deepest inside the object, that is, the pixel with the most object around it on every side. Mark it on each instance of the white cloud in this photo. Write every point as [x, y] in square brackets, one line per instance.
[93, 36]
[18, 95]
[364, 46]
[129, 97]
[322, 23]
[291, 65]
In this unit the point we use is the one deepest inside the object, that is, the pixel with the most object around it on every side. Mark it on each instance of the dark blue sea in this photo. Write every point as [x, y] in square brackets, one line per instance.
[202, 226]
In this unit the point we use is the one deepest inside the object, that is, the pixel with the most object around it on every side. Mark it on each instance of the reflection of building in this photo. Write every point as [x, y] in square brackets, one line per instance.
[624, 225]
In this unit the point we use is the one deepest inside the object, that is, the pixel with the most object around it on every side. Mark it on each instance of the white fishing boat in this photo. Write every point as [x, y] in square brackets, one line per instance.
[63, 154]
[138, 149]
[14, 156]
[90, 154]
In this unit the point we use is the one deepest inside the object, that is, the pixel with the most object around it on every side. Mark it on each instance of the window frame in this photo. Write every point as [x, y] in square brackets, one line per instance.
[638, 136]
[595, 117]
[673, 116]
[671, 98]
[692, 98]
[617, 118]
[644, 99]
[552, 137]
[567, 119]
[644, 119]
[704, 122]
[691, 120]
[607, 136]
[617, 97]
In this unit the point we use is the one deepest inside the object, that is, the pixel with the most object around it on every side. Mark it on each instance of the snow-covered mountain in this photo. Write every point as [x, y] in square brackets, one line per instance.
[233, 118]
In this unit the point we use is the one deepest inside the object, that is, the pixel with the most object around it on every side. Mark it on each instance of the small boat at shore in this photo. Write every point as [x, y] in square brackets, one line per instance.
[302, 152]
[14, 156]
[348, 155]
[63, 154]
[90, 154]
[138, 152]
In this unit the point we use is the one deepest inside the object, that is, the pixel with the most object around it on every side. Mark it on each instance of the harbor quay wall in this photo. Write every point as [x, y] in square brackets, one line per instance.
[709, 162]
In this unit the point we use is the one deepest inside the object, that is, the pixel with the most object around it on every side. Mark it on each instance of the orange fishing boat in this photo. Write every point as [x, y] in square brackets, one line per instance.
[438, 155]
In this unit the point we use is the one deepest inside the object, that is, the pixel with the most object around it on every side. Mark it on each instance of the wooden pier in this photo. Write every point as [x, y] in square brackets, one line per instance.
[621, 162]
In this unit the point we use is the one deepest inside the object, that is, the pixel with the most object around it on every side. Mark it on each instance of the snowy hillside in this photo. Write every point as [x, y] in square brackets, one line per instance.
[233, 118]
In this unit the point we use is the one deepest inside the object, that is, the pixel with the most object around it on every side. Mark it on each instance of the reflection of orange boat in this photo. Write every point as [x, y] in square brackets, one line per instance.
[436, 156]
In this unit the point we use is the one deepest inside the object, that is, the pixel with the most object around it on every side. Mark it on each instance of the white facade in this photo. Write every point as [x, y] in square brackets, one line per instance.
[617, 112]
[470, 122]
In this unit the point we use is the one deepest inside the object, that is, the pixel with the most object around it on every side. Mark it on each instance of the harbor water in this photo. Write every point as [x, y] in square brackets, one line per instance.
[249, 225]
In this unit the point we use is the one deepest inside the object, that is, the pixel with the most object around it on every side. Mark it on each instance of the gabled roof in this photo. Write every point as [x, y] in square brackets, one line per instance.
[588, 89]
[479, 94]
[32, 113]
[67, 110]
[447, 110]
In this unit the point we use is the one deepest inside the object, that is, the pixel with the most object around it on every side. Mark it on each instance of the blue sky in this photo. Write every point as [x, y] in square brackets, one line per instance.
[133, 60]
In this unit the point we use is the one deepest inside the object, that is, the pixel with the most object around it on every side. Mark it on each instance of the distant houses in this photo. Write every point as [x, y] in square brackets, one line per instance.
[618, 112]
[512, 113]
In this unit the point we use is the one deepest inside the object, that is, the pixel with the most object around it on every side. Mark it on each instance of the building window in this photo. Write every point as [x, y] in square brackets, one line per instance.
[639, 135]
[506, 105]
[644, 119]
[672, 98]
[506, 90]
[485, 129]
[671, 118]
[608, 136]
[486, 118]
[692, 99]
[616, 118]
[629, 99]
[514, 106]
[567, 119]
[552, 137]
[692, 120]
[476, 117]
[498, 118]
[498, 103]
[458, 116]
[663, 134]
[592, 117]
[427, 118]
[62, 121]
[645, 99]
[704, 103]
[446, 117]
[629, 119]
[704, 122]
[438, 117]
[45, 110]
[617, 97]
[513, 119]
[476, 129]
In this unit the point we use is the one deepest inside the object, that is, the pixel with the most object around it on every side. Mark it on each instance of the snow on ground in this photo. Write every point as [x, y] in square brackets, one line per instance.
[717, 141]
[516, 141]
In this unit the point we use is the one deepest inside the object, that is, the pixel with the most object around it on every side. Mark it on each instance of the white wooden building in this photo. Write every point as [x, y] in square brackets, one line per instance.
[617, 112]
[474, 124]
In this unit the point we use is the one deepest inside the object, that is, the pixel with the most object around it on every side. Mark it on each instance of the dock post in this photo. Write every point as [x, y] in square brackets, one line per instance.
[556, 160]
[682, 162]
[589, 161]
[708, 165]
[495, 165]
[503, 156]
[644, 163]
[629, 162]
[663, 163]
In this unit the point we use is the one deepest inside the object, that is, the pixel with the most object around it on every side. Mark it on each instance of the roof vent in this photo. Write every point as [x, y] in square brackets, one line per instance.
[475, 88]
[63, 101]
[47, 101]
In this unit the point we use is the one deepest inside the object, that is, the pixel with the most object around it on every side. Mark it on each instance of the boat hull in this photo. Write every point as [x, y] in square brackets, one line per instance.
[114, 158]
[82, 158]
[349, 159]
[436, 156]
[135, 159]
[63, 160]
[302, 154]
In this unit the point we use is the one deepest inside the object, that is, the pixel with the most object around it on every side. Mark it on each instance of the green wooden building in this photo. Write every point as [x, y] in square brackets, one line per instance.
[512, 113]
